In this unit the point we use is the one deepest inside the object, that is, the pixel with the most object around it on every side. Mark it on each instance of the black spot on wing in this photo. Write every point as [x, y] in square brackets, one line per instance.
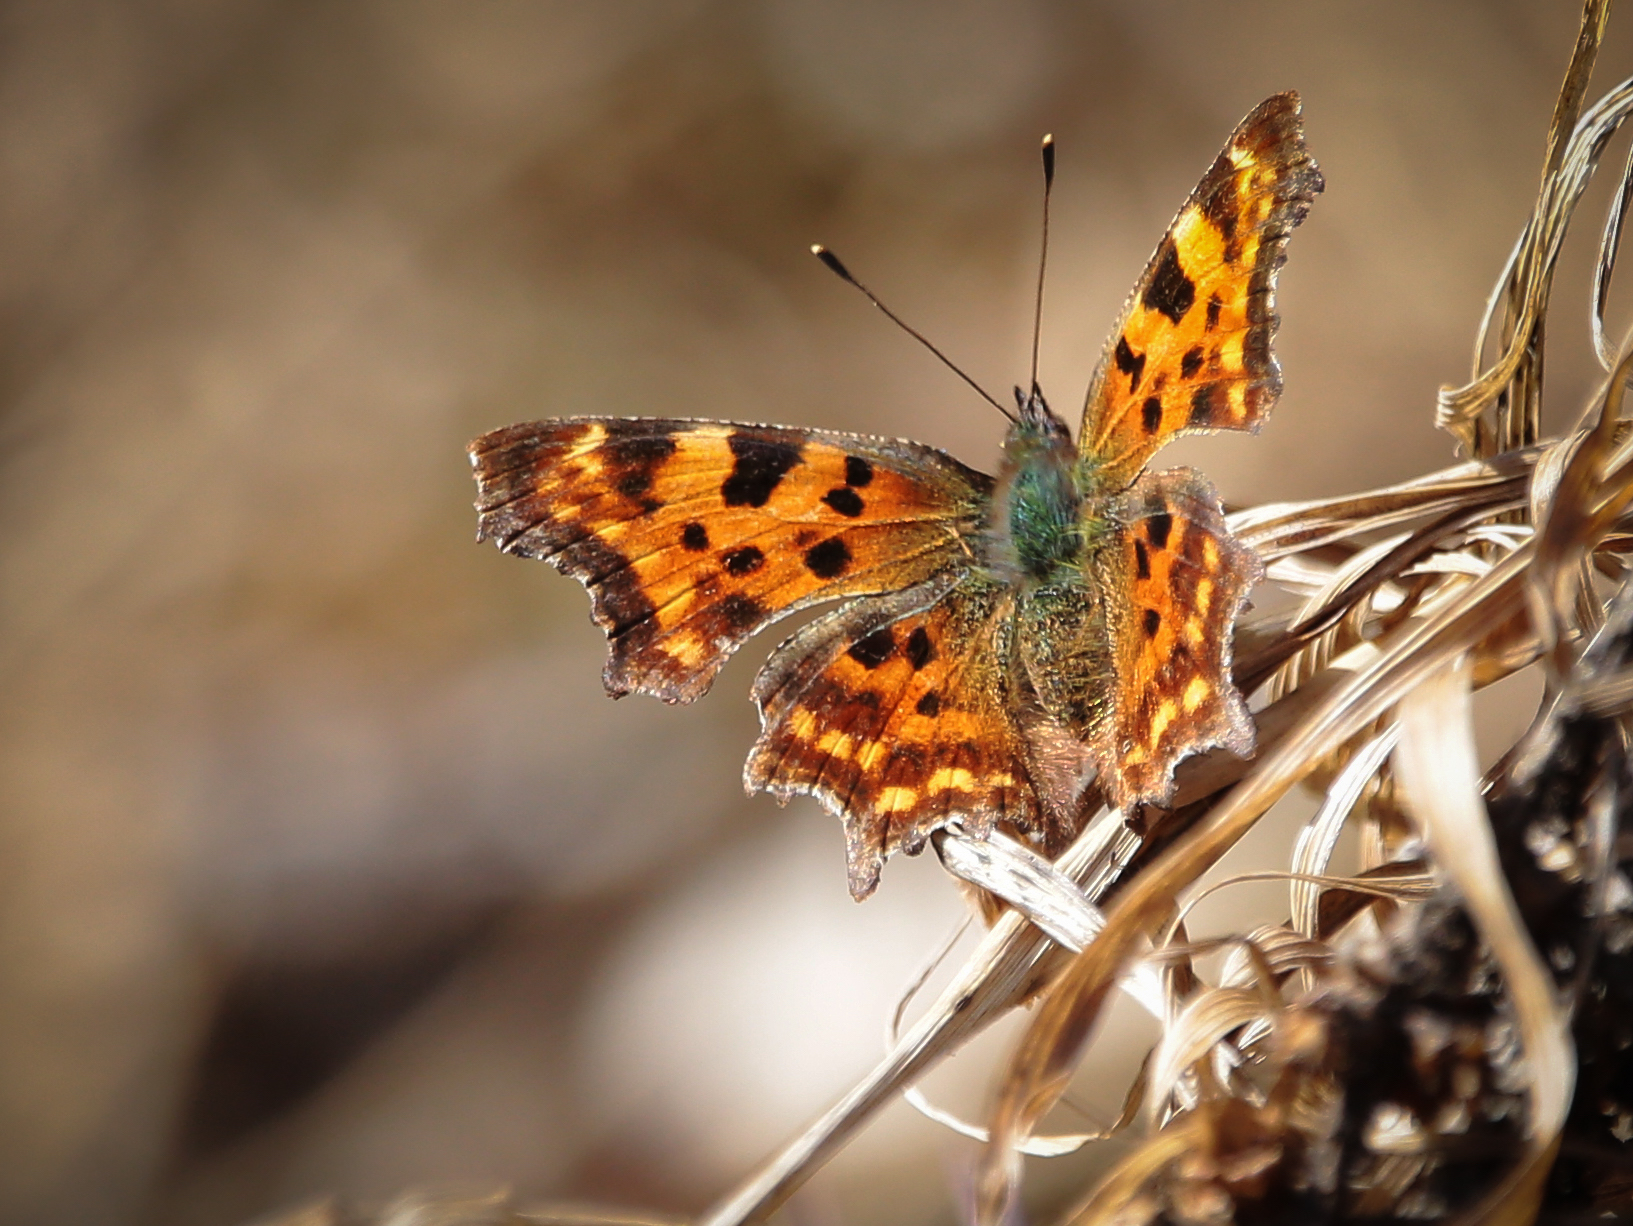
[1170, 291]
[928, 705]
[760, 465]
[737, 613]
[874, 649]
[1153, 623]
[1142, 560]
[629, 449]
[844, 500]
[858, 472]
[1151, 414]
[920, 650]
[1191, 362]
[633, 460]
[1130, 363]
[634, 483]
[828, 559]
[1219, 202]
[695, 537]
[1157, 527]
[743, 561]
[1204, 404]
[1214, 307]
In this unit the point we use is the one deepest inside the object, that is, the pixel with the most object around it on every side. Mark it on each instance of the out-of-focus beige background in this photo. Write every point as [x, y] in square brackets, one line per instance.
[324, 864]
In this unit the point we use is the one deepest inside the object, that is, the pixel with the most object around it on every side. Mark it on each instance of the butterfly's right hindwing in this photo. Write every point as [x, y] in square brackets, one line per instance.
[897, 713]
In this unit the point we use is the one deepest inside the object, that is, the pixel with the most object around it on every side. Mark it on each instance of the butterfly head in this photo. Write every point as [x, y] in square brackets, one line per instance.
[1036, 423]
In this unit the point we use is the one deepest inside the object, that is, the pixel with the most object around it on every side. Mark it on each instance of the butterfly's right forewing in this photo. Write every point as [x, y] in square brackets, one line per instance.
[693, 535]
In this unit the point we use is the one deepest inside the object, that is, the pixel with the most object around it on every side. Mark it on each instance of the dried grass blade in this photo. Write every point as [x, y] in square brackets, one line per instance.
[1527, 282]
[1367, 572]
[1204, 1021]
[1342, 579]
[1591, 492]
[1607, 695]
[1281, 949]
[1610, 244]
[1055, 1146]
[568, 1216]
[1406, 880]
[1051, 1047]
[1042, 1147]
[1025, 880]
[1313, 850]
[1124, 1183]
[1568, 106]
[1278, 529]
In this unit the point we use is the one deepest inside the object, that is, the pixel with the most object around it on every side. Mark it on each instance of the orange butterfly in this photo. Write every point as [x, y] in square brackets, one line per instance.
[1002, 642]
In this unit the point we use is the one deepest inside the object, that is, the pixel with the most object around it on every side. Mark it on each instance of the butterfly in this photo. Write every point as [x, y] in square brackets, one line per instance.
[1005, 648]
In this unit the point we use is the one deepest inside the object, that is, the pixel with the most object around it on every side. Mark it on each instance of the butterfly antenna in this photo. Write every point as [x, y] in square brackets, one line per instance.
[844, 274]
[1043, 257]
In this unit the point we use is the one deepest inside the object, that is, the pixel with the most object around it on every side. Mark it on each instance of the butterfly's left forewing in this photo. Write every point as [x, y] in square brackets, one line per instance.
[1193, 349]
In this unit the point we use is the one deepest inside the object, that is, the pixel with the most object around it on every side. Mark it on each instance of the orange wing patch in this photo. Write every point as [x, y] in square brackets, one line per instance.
[895, 713]
[1193, 350]
[692, 536]
[1186, 577]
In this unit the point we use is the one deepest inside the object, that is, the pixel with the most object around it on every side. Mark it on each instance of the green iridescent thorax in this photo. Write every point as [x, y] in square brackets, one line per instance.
[1038, 524]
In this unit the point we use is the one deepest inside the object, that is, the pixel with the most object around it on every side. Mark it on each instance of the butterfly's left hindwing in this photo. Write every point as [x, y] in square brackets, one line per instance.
[1186, 578]
[692, 535]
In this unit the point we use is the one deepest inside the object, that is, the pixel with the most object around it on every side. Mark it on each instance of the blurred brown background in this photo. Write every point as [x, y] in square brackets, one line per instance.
[324, 864]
